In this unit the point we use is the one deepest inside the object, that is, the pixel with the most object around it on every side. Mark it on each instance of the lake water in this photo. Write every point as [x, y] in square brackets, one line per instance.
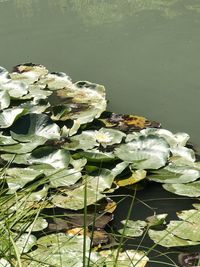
[145, 52]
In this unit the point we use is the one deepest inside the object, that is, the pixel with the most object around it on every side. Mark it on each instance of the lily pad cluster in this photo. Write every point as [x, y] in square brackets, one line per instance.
[60, 148]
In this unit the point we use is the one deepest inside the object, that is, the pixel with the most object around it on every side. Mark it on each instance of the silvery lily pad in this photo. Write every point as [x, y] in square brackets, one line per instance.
[16, 89]
[4, 99]
[190, 189]
[174, 140]
[57, 158]
[33, 126]
[132, 228]
[4, 76]
[36, 225]
[192, 216]
[127, 258]
[183, 152]
[144, 152]
[96, 156]
[6, 140]
[18, 177]
[167, 239]
[28, 72]
[56, 80]
[81, 102]
[59, 250]
[8, 116]
[175, 174]
[4, 263]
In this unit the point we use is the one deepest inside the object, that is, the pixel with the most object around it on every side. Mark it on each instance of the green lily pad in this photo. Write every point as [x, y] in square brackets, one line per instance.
[56, 80]
[4, 100]
[32, 126]
[4, 75]
[6, 140]
[192, 216]
[95, 155]
[144, 152]
[25, 242]
[8, 116]
[18, 177]
[59, 250]
[57, 158]
[183, 152]
[37, 225]
[75, 199]
[16, 89]
[132, 228]
[29, 73]
[127, 258]
[156, 219]
[167, 239]
[190, 189]
[64, 177]
[175, 174]
[4, 263]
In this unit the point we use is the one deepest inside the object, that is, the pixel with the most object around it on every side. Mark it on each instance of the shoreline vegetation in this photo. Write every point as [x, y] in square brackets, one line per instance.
[63, 155]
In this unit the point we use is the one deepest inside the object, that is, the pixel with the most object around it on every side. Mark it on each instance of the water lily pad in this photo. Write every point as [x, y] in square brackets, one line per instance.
[174, 140]
[135, 177]
[95, 155]
[64, 177]
[8, 116]
[127, 258]
[58, 250]
[34, 226]
[167, 239]
[56, 80]
[32, 126]
[192, 216]
[4, 75]
[4, 100]
[75, 199]
[25, 242]
[175, 174]
[183, 152]
[144, 152]
[28, 72]
[4, 263]
[6, 140]
[133, 228]
[18, 177]
[58, 158]
[156, 219]
[190, 189]
[81, 102]
[16, 89]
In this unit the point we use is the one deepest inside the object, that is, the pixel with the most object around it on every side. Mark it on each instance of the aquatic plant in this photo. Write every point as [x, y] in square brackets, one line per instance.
[61, 149]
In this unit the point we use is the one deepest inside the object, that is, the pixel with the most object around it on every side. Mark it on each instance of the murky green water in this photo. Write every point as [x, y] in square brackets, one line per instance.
[146, 52]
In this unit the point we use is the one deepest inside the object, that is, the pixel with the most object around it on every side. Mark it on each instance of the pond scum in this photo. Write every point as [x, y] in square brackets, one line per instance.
[62, 155]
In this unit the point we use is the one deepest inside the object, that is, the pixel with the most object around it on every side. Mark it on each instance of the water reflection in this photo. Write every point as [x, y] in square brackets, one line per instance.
[96, 12]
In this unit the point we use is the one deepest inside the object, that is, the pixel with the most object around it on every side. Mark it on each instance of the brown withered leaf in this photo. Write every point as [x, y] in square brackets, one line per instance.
[127, 123]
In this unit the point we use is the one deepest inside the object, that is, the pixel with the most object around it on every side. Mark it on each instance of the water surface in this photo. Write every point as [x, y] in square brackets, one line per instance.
[145, 52]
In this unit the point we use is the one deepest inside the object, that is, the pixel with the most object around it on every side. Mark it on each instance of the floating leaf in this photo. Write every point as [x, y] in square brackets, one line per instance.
[127, 258]
[95, 155]
[183, 152]
[28, 72]
[64, 177]
[6, 140]
[167, 239]
[132, 228]
[8, 116]
[25, 242]
[16, 89]
[135, 177]
[81, 102]
[145, 152]
[175, 174]
[75, 199]
[18, 177]
[156, 219]
[190, 189]
[174, 140]
[4, 263]
[4, 76]
[127, 122]
[108, 137]
[4, 100]
[37, 225]
[58, 250]
[58, 158]
[32, 126]
[56, 80]
[192, 216]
